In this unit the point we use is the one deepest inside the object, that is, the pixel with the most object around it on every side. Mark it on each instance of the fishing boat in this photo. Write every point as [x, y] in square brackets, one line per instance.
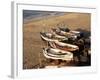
[57, 54]
[69, 34]
[63, 46]
[65, 29]
[75, 32]
[51, 37]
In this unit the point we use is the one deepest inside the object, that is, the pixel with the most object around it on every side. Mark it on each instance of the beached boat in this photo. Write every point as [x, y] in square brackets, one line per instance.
[69, 34]
[63, 46]
[51, 37]
[73, 34]
[65, 29]
[57, 54]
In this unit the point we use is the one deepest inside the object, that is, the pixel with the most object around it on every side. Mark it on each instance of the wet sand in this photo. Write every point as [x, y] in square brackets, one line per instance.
[32, 42]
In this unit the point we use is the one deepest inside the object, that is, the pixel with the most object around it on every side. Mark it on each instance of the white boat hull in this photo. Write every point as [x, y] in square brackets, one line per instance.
[68, 56]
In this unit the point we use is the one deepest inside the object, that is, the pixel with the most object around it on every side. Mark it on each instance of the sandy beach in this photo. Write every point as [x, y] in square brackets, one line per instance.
[32, 43]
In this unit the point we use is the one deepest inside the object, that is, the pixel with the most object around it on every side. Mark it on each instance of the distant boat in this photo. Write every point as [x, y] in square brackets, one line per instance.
[57, 54]
[51, 37]
[63, 46]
